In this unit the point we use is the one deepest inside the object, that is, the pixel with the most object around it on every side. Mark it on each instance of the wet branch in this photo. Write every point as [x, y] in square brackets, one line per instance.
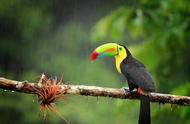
[23, 86]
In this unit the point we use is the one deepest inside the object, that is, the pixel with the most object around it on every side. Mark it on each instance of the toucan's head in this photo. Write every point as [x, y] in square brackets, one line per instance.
[111, 49]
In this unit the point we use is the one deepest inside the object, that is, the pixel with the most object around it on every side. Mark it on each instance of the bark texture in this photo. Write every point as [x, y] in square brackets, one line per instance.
[25, 87]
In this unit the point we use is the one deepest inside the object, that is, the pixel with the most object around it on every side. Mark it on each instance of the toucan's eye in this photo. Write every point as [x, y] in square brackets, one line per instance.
[120, 48]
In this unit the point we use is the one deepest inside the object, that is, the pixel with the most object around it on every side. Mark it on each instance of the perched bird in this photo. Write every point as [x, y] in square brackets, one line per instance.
[135, 72]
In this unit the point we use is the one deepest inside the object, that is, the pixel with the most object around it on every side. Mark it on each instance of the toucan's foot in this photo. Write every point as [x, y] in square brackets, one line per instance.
[125, 90]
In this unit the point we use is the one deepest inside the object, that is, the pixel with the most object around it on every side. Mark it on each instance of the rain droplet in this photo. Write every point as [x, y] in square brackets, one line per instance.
[5, 90]
[97, 98]
[12, 91]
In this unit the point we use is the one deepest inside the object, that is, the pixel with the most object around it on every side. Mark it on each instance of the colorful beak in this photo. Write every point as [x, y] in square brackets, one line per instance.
[108, 49]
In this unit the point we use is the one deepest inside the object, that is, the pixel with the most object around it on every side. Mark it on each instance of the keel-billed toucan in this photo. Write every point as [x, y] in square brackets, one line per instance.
[135, 72]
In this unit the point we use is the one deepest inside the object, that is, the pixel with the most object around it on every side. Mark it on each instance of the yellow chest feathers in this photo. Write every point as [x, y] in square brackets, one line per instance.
[119, 58]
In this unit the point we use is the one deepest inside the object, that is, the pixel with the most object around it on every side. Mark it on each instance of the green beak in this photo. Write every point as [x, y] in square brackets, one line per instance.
[108, 49]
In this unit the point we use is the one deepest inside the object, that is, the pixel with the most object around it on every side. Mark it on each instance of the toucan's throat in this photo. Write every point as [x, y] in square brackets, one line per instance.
[118, 60]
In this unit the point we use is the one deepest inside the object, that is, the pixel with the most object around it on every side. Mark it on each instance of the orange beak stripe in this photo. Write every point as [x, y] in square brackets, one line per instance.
[110, 50]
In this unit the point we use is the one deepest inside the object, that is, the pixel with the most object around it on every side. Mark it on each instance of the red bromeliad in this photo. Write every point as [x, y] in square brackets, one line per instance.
[49, 93]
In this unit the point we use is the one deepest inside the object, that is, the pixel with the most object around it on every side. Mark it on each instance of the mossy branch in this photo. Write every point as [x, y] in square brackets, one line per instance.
[23, 86]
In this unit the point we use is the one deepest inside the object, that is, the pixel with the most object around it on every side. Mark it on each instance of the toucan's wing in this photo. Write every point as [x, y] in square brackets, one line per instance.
[141, 77]
[136, 73]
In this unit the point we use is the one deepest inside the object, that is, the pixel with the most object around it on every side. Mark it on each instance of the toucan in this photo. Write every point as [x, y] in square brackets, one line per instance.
[137, 76]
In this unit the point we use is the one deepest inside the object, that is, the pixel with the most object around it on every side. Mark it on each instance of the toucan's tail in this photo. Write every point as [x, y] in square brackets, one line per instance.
[144, 116]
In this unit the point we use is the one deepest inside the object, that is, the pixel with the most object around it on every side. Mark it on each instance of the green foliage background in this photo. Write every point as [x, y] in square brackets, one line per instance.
[57, 37]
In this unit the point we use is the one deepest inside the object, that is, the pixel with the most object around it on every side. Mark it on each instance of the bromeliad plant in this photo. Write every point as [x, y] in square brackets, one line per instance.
[49, 92]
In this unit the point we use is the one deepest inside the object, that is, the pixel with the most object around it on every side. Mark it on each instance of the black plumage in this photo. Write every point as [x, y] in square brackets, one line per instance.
[138, 77]
[136, 74]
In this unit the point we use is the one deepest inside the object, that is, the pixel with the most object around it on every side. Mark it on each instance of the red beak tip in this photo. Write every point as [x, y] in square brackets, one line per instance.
[91, 59]
[93, 56]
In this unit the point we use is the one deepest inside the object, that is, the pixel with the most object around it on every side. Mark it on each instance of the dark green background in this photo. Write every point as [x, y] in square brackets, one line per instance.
[57, 36]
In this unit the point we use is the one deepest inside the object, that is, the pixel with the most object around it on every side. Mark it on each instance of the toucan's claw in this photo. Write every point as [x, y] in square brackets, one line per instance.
[125, 90]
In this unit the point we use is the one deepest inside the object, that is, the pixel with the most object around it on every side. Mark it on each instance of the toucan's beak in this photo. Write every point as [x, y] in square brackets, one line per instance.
[108, 49]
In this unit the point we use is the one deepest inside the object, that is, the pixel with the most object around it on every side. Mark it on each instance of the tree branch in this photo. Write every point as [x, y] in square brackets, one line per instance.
[23, 86]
